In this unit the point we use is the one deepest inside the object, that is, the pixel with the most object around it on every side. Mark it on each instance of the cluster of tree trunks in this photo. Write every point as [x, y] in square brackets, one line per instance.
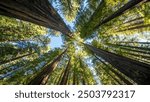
[115, 72]
[66, 74]
[137, 71]
[39, 12]
[42, 77]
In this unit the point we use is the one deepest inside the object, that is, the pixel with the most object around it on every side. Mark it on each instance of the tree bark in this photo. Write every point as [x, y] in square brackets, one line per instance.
[60, 77]
[83, 81]
[74, 77]
[137, 71]
[116, 73]
[43, 76]
[39, 12]
[66, 73]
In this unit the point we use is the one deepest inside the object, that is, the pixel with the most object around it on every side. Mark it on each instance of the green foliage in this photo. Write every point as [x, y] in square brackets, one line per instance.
[15, 30]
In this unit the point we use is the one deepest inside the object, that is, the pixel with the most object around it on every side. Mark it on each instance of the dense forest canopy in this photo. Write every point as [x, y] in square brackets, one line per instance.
[104, 42]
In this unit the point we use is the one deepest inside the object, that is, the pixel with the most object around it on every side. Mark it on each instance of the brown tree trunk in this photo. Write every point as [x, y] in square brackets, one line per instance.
[43, 76]
[74, 77]
[116, 73]
[83, 81]
[119, 12]
[60, 77]
[66, 74]
[39, 12]
[137, 71]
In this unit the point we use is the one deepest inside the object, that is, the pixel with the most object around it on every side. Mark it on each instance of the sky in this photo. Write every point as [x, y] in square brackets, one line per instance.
[56, 42]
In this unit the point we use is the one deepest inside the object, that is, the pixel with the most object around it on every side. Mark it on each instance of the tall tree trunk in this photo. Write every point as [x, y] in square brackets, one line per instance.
[138, 55]
[55, 80]
[133, 24]
[116, 73]
[74, 77]
[135, 28]
[16, 58]
[39, 12]
[135, 19]
[43, 76]
[77, 77]
[105, 71]
[6, 41]
[134, 42]
[83, 81]
[60, 77]
[134, 55]
[119, 12]
[132, 47]
[137, 71]
[66, 73]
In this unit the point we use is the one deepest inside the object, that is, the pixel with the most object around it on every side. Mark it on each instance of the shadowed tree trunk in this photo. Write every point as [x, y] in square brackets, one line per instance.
[83, 81]
[77, 80]
[106, 72]
[60, 77]
[116, 73]
[39, 12]
[55, 81]
[137, 71]
[43, 76]
[119, 12]
[66, 74]
[74, 77]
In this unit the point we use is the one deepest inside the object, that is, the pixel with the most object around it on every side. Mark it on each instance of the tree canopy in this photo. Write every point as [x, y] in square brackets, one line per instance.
[104, 42]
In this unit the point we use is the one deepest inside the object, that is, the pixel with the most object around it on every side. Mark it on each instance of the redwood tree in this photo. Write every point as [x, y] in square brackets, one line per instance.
[43, 76]
[137, 71]
[40, 12]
